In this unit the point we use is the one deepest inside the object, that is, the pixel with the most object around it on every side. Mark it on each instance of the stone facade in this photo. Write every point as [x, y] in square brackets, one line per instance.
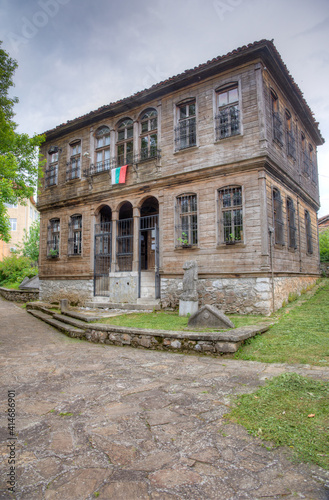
[77, 292]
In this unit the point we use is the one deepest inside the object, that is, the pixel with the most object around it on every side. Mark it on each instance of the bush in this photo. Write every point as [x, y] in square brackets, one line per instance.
[14, 269]
[324, 246]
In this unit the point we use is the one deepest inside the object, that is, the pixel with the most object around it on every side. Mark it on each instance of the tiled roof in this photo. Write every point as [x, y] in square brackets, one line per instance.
[245, 49]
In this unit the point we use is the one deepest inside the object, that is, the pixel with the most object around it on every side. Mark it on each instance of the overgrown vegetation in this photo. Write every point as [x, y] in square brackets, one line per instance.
[301, 334]
[324, 245]
[290, 410]
[31, 241]
[14, 269]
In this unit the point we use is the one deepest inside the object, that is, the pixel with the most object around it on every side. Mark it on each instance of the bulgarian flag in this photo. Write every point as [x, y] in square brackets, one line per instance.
[118, 175]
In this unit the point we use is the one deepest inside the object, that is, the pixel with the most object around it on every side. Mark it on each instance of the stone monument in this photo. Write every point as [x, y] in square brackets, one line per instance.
[210, 317]
[188, 302]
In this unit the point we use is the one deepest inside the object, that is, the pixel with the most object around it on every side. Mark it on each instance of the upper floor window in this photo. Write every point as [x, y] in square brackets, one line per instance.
[185, 130]
[75, 235]
[102, 138]
[52, 168]
[308, 229]
[227, 118]
[53, 238]
[291, 224]
[187, 220]
[291, 143]
[149, 135]
[13, 224]
[125, 143]
[74, 165]
[277, 217]
[231, 218]
[11, 205]
[277, 122]
[313, 166]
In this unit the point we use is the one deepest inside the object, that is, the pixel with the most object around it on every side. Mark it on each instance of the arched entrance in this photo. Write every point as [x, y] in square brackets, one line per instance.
[102, 251]
[125, 236]
[149, 278]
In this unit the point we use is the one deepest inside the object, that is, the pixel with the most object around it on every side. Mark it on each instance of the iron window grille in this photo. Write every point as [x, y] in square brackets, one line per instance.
[308, 228]
[292, 242]
[291, 143]
[125, 244]
[125, 143]
[277, 128]
[277, 218]
[75, 235]
[187, 216]
[73, 167]
[149, 135]
[231, 214]
[227, 119]
[51, 175]
[103, 142]
[53, 238]
[185, 132]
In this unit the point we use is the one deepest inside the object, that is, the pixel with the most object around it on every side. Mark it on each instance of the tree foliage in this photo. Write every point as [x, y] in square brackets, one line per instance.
[14, 269]
[31, 240]
[18, 152]
[324, 245]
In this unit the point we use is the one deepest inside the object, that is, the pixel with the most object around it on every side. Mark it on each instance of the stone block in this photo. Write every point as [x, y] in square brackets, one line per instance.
[188, 307]
[210, 317]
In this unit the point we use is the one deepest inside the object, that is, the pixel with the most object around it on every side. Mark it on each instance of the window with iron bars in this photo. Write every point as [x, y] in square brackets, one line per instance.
[291, 224]
[187, 220]
[73, 166]
[277, 217]
[227, 119]
[102, 138]
[125, 143]
[51, 170]
[75, 235]
[125, 238]
[277, 122]
[291, 143]
[149, 135]
[231, 217]
[185, 132]
[308, 229]
[53, 238]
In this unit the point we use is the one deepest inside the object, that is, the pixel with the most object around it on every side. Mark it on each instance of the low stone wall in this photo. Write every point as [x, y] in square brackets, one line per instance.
[239, 295]
[77, 292]
[19, 295]
[324, 268]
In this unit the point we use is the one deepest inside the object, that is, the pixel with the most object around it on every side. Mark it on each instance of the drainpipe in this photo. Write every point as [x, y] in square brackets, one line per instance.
[271, 231]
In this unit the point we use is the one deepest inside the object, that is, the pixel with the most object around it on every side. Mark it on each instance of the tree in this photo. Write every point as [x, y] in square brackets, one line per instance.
[18, 152]
[324, 245]
[31, 239]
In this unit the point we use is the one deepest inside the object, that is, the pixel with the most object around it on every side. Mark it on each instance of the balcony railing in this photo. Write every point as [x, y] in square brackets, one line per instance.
[119, 161]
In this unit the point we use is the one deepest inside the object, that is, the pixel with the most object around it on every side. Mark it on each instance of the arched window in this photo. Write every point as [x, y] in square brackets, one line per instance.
[227, 118]
[187, 220]
[149, 134]
[231, 217]
[308, 229]
[102, 149]
[53, 238]
[291, 224]
[75, 235]
[73, 167]
[277, 122]
[277, 217]
[51, 174]
[185, 130]
[125, 143]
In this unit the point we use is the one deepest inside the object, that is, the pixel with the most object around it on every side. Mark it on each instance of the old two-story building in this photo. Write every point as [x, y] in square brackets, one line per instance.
[216, 165]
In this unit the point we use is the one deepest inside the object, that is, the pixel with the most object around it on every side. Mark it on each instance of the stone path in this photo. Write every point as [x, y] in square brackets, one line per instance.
[107, 422]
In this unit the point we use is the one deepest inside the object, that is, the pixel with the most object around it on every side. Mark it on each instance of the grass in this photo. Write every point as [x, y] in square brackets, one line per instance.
[290, 410]
[167, 320]
[301, 334]
[10, 286]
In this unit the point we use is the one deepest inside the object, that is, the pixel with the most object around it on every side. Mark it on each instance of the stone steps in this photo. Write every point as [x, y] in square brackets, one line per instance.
[64, 327]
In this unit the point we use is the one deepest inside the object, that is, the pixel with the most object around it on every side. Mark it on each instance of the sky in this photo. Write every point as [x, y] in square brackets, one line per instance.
[77, 55]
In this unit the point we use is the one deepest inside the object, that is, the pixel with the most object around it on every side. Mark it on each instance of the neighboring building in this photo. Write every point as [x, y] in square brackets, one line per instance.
[323, 223]
[20, 217]
[217, 164]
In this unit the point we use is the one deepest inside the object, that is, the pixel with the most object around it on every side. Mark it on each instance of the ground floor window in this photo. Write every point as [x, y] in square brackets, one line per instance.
[53, 238]
[231, 217]
[75, 235]
[187, 220]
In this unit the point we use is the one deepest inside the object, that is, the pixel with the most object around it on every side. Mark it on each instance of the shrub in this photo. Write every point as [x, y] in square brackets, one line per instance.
[324, 246]
[14, 269]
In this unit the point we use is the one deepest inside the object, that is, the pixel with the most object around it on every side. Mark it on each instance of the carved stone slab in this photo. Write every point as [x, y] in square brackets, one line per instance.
[210, 317]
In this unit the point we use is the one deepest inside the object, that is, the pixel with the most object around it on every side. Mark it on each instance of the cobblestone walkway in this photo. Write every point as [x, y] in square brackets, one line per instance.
[107, 422]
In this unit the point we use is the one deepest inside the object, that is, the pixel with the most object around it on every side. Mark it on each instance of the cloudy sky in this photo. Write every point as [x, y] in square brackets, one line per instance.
[77, 55]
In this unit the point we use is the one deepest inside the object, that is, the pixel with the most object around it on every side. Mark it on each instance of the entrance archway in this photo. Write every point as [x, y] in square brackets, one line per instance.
[125, 236]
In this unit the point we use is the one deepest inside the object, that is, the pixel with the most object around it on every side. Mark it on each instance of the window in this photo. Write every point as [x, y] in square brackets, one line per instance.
[291, 224]
[11, 205]
[53, 238]
[291, 143]
[52, 168]
[308, 229]
[13, 224]
[185, 132]
[102, 137]
[187, 220]
[277, 122]
[227, 118]
[125, 144]
[75, 235]
[74, 165]
[277, 217]
[149, 135]
[231, 220]
[313, 167]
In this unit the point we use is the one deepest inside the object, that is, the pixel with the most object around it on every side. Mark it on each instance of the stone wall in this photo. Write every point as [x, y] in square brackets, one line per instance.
[238, 295]
[19, 295]
[324, 266]
[77, 292]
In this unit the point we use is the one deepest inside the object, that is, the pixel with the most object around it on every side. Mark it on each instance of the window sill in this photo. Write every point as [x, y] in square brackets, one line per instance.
[188, 148]
[279, 246]
[229, 137]
[187, 247]
[73, 180]
[74, 256]
[239, 244]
